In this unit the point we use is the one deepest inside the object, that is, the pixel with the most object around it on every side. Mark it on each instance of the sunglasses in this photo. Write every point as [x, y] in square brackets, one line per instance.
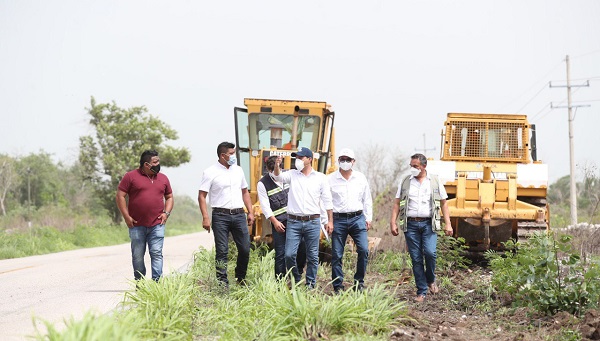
[345, 159]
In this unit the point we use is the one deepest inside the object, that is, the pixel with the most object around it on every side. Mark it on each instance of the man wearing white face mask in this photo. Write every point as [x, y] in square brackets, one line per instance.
[309, 190]
[352, 215]
[226, 187]
[273, 198]
[419, 199]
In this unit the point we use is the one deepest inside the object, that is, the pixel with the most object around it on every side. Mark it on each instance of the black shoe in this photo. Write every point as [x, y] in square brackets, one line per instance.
[242, 283]
[358, 287]
[223, 287]
[338, 290]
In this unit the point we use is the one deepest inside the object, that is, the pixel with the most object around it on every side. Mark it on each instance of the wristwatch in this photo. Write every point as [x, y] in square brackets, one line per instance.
[167, 213]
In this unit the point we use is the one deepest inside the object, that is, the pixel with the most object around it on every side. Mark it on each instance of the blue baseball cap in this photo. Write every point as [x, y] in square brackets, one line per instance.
[303, 151]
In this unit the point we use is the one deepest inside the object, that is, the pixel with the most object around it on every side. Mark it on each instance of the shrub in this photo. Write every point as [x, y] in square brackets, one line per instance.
[450, 252]
[547, 275]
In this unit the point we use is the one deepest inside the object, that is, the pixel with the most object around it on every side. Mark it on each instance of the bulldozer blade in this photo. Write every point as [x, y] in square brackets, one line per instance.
[480, 236]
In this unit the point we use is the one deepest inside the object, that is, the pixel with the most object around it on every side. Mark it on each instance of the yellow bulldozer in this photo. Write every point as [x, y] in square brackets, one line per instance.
[268, 127]
[496, 186]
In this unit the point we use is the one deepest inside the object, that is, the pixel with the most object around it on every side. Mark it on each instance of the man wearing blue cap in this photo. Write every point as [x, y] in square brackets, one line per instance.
[309, 190]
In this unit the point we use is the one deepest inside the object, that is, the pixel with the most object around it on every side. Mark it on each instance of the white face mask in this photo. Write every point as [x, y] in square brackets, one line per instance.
[299, 164]
[344, 165]
[232, 160]
[414, 171]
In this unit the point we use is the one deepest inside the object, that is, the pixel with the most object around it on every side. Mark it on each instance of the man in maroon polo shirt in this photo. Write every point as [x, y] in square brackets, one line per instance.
[150, 204]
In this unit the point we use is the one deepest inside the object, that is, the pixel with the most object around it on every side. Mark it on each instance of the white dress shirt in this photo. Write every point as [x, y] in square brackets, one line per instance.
[263, 198]
[351, 195]
[224, 186]
[419, 197]
[307, 193]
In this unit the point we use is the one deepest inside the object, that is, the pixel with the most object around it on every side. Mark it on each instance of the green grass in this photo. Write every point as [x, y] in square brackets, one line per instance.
[43, 240]
[268, 310]
[57, 228]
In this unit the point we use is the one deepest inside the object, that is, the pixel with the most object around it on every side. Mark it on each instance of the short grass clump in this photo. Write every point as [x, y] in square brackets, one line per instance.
[267, 309]
[91, 327]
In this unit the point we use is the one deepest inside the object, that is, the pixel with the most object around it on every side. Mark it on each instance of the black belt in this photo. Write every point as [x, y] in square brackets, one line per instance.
[347, 215]
[303, 217]
[230, 211]
[417, 219]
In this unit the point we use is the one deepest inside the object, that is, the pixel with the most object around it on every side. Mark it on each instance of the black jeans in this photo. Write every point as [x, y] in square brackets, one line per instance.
[222, 225]
[279, 243]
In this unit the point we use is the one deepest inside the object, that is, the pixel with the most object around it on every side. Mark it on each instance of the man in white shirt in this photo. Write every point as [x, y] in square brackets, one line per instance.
[309, 190]
[352, 215]
[226, 187]
[273, 199]
[419, 199]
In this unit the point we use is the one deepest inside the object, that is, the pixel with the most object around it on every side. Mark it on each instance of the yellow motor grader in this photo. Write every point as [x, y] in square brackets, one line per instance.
[268, 127]
[496, 186]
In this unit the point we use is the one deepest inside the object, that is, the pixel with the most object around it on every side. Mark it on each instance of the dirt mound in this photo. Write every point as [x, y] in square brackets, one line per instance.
[590, 328]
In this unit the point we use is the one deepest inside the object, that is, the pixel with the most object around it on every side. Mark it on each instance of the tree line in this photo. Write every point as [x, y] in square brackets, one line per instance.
[29, 183]
[88, 186]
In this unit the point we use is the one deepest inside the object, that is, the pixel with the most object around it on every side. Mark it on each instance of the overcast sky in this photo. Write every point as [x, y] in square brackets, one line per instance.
[391, 70]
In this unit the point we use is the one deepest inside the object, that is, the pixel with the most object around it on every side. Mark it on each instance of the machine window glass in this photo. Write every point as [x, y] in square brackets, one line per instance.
[274, 130]
[241, 120]
[244, 162]
[494, 144]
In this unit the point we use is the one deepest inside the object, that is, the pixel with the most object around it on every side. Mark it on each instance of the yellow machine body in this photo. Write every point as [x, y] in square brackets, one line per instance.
[496, 188]
[268, 127]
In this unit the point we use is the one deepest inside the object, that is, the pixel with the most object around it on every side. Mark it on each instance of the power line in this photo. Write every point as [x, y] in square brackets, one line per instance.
[545, 114]
[532, 98]
[587, 53]
[530, 87]
[537, 113]
[588, 100]
[549, 105]
[586, 78]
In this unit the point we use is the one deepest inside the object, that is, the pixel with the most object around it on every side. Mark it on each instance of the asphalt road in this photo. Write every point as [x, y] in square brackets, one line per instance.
[68, 284]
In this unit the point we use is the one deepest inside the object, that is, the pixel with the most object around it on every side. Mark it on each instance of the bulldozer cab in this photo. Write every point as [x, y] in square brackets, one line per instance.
[485, 137]
[268, 127]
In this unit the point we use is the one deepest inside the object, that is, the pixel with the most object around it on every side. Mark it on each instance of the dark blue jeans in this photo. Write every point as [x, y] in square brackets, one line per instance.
[153, 236]
[279, 243]
[421, 241]
[310, 231]
[356, 227]
[222, 225]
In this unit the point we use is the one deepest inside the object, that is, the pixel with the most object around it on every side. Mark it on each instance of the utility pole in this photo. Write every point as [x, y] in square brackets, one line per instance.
[425, 149]
[571, 140]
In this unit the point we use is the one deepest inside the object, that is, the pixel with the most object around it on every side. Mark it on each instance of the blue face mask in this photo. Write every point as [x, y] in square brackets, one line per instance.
[232, 160]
